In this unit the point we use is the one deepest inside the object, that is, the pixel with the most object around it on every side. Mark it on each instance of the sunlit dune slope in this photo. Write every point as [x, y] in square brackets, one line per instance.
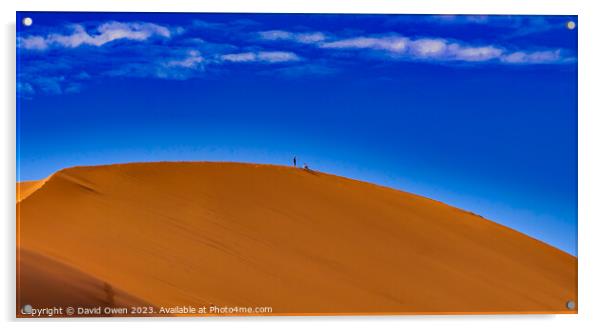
[231, 234]
[25, 188]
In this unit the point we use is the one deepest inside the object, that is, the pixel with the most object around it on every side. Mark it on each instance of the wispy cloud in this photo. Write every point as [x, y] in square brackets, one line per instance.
[474, 54]
[389, 44]
[49, 85]
[25, 89]
[192, 60]
[302, 37]
[514, 25]
[398, 47]
[103, 34]
[65, 59]
[266, 56]
[549, 56]
[402, 48]
[463, 19]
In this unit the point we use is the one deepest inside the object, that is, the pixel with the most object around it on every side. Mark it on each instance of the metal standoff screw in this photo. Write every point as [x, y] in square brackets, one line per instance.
[570, 304]
[571, 25]
[27, 309]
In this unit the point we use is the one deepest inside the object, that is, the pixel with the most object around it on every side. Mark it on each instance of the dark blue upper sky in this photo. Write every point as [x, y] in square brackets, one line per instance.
[479, 112]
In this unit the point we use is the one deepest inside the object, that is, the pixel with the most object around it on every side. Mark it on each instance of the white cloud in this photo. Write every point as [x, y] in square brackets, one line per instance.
[448, 51]
[267, 56]
[240, 57]
[390, 44]
[190, 56]
[105, 33]
[33, 42]
[428, 47]
[301, 37]
[419, 49]
[192, 60]
[403, 48]
[538, 57]
[310, 37]
[274, 57]
[474, 54]
[275, 35]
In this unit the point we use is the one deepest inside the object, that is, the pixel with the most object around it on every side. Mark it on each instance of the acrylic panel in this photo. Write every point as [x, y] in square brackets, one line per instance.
[192, 164]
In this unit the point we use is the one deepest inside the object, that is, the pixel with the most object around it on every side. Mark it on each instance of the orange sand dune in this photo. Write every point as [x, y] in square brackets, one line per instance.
[46, 283]
[26, 188]
[300, 242]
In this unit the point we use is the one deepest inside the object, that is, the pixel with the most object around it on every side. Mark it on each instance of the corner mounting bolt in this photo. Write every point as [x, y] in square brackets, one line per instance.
[571, 25]
[27, 309]
[570, 304]
[27, 21]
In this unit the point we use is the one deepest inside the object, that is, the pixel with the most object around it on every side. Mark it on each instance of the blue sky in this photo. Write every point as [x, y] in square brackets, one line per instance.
[479, 112]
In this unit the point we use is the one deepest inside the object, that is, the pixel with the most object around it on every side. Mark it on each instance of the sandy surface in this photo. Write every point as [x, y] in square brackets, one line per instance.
[44, 283]
[25, 188]
[228, 234]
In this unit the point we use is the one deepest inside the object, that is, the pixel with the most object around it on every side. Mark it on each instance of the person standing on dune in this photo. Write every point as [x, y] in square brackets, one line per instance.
[295, 161]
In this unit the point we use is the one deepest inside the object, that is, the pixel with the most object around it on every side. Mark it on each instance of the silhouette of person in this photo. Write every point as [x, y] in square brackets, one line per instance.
[295, 161]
